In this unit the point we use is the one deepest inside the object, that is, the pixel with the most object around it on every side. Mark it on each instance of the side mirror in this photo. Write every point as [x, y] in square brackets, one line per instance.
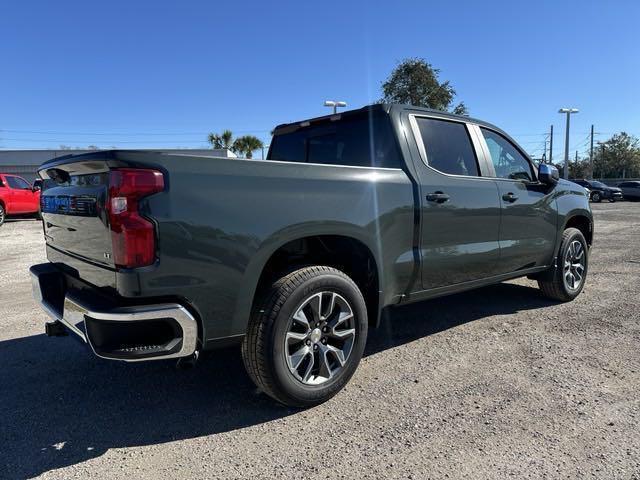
[36, 187]
[548, 174]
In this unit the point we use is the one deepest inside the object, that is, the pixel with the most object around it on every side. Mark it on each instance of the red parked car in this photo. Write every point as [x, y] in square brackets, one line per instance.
[17, 197]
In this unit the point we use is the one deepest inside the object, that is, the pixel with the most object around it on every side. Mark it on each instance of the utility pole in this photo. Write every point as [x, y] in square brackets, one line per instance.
[568, 111]
[576, 172]
[591, 156]
[551, 145]
[601, 157]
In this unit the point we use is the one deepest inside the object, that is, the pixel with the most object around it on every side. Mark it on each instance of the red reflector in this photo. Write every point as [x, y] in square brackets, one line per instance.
[132, 236]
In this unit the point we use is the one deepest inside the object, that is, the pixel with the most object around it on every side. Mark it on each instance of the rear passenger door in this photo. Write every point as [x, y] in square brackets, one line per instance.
[460, 210]
[528, 226]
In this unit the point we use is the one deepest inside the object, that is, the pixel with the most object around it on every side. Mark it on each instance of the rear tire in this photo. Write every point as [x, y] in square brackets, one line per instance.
[595, 197]
[568, 277]
[306, 336]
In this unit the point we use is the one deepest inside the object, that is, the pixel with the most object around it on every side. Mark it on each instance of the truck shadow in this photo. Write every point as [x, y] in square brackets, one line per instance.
[59, 406]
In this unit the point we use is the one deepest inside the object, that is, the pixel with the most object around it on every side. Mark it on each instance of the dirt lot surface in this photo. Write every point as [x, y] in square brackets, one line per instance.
[488, 384]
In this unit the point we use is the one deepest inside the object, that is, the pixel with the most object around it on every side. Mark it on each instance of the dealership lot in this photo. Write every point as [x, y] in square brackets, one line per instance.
[492, 383]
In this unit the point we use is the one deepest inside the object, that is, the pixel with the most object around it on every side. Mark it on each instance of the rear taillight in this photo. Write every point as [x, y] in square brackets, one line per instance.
[132, 236]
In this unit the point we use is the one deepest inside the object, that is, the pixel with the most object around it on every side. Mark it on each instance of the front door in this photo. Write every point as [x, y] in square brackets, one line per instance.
[528, 226]
[460, 210]
[21, 194]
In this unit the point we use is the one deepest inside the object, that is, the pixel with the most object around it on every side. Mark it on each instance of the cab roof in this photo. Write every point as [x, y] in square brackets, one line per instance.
[385, 108]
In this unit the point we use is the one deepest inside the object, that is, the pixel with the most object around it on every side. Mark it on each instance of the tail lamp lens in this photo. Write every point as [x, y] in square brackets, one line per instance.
[132, 236]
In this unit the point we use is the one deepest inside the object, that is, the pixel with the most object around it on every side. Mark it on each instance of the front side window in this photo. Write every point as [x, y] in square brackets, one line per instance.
[507, 161]
[18, 183]
[448, 146]
[364, 140]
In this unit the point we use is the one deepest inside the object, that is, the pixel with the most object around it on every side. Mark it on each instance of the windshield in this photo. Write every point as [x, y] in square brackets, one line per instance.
[598, 184]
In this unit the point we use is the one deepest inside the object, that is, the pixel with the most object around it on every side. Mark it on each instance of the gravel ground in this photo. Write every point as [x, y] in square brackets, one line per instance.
[488, 384]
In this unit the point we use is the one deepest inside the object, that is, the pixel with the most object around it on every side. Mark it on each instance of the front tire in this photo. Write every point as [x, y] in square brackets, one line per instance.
[306, 336]
[569, 275]
[3, 214]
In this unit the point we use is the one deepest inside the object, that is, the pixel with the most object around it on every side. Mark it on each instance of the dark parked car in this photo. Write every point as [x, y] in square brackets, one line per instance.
[600, 191]
[42, 185]
[630, 190]
[157, 256]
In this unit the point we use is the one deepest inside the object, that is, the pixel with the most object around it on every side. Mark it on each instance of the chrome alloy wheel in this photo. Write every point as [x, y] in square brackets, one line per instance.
[320, 337]
[574, 265]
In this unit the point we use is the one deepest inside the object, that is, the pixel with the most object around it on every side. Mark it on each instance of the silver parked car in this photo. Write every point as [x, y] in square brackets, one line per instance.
[630, 190]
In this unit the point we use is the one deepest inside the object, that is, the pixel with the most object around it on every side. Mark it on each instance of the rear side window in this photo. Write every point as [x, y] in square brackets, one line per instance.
[508, 162]
[448, 146]
[18, 183]
[364, 140]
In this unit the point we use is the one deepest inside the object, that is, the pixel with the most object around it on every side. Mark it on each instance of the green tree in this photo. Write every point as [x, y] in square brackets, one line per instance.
[221, 140]
[246, 145]
[577, 168]
[617, 157]
[415, 82]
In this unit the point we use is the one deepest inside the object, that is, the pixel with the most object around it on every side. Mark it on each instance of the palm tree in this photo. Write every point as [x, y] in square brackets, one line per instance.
[222, 140]
[246, 145]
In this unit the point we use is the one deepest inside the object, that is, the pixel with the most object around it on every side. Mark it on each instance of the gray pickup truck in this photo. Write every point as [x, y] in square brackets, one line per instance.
[158, 256]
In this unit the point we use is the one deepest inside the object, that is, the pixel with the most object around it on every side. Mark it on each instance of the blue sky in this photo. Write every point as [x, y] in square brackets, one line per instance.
[163, 74]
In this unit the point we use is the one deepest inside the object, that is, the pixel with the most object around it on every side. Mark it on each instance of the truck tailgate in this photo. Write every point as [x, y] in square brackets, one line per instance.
[74, 214]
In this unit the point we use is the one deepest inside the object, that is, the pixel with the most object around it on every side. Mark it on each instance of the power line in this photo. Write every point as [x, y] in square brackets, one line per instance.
[49, 140]
[128, 134]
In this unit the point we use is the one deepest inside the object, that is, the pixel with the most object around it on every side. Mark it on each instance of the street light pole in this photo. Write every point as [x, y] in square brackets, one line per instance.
[568, 111]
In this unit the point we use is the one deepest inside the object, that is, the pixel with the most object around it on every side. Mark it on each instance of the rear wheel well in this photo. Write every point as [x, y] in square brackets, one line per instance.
[344, 253]
[583, 224]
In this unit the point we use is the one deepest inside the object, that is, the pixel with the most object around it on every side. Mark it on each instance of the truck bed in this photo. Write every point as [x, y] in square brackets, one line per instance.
[218, 221]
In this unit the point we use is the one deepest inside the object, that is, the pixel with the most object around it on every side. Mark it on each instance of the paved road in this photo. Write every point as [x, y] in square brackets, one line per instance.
[488, 384]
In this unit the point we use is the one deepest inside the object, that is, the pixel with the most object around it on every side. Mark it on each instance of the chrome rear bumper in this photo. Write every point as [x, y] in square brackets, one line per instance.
[80, 315]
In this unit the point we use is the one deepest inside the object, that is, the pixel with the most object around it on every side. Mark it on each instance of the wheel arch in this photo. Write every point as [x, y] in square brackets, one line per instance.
[348, 251]
[583, 223]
